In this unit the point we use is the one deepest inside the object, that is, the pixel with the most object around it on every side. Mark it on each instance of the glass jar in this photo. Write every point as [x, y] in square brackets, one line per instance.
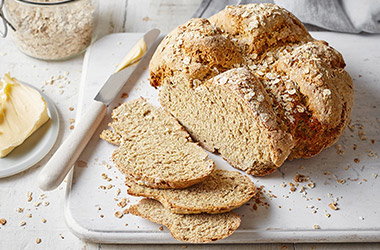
[51, 29]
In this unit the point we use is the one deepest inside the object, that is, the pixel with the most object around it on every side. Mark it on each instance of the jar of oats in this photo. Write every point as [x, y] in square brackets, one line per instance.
[51, 29]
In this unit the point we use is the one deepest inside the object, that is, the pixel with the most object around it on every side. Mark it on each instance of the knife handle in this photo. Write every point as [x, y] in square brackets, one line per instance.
[55, 171]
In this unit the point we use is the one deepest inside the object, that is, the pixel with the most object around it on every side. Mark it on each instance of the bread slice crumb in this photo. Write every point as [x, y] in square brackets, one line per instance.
[194, 228]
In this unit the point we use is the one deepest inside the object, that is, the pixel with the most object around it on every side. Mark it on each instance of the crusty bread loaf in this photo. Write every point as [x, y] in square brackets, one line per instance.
[221, 192]
[280, 95]
[192, 228]
[154, 149]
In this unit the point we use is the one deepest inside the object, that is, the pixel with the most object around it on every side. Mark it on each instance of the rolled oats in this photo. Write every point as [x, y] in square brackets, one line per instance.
[52, 32]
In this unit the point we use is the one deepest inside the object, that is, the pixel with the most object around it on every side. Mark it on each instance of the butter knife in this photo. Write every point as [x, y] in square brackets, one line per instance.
[55, 171]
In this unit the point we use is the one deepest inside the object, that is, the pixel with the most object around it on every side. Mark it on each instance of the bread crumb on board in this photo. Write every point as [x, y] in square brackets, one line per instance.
[29, 196]
[3, 221]
[119, 214]
[334, 206]
[301, 178]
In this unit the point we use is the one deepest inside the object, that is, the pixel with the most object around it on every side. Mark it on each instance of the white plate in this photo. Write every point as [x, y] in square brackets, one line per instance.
[35, 147]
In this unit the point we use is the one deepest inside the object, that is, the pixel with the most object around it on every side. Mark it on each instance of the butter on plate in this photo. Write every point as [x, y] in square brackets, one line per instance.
[22, 111]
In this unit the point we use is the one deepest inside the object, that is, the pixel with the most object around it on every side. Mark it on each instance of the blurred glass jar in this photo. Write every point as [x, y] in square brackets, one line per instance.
[52, 29]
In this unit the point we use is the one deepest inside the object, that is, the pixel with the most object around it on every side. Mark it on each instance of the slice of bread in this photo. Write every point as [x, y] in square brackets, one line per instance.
[232, 114]
[154, 149]
[192, 228]
[221, 192]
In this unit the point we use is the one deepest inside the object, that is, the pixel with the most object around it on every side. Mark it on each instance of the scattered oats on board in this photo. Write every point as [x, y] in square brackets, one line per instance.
[38, 240]
[118, 191]
[3, 221]
[300, 178]
[22, 223]
[29, 196]
[105, 177]
[123, 202]
[334, 206]
[339, 149]
[315, 226]
[42, 196]
[119, 214]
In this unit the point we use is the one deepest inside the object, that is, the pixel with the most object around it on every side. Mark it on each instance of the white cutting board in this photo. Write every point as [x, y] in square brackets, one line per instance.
[289, 217]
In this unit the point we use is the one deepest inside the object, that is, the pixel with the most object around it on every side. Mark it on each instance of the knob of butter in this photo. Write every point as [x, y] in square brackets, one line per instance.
[133, 56]
[22, 111]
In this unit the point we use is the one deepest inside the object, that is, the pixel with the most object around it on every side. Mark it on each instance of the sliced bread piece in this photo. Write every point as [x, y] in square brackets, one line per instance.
[154, 149]
[232, 114]
[192, 228]
[221, 192]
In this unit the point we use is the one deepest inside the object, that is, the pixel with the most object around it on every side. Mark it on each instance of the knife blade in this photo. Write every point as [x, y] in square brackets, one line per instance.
[54, 172]
[117, 80]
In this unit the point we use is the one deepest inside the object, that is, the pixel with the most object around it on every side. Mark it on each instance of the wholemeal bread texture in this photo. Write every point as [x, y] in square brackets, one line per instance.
[154, 149]
[192, 228]
[221, 192]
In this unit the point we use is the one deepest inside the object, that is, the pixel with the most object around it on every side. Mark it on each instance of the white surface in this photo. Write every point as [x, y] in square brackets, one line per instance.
[35, 147]
[358, 217]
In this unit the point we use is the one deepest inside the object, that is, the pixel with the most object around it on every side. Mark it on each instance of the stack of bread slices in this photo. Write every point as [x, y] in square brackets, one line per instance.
[161, 162]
